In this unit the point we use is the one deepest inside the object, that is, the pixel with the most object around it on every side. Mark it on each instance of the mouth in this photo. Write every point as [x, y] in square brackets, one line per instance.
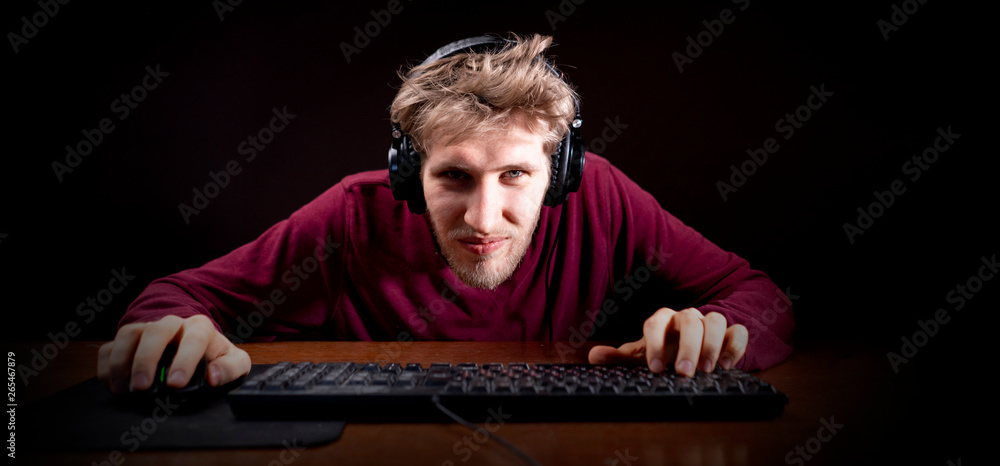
[482, 246]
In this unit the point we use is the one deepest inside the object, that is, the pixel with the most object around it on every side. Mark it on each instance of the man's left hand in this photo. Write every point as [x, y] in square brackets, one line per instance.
[690, 339]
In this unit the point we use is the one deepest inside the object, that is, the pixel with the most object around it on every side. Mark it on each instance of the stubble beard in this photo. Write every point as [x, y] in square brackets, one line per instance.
[484, 272]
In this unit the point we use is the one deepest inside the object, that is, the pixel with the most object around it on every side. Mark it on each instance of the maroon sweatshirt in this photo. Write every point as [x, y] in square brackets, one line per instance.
[355, 264]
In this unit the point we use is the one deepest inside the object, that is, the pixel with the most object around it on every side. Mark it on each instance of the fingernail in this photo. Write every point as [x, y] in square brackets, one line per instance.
[140, 381]
[706, 365]
[656, 365]
[685, 367]
[214, 376]
[176, 378]
[726, 362]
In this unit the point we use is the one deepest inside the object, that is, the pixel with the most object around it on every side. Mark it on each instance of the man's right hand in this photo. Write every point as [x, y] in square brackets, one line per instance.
[129, 361]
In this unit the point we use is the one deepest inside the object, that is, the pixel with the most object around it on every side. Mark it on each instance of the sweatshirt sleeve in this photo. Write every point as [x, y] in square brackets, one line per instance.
[286, 281]
[697, 273]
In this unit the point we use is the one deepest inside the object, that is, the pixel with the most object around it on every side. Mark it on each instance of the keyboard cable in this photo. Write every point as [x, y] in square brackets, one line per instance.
[524, 456]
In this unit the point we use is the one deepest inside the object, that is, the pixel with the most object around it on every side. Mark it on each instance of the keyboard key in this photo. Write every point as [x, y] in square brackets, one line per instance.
[503, 385]
[358, 378]
[583, 389]
[479, 387]
[392, 367]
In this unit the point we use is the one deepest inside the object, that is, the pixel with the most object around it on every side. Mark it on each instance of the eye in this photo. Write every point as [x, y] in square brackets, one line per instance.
[513, 174]
[455, 175]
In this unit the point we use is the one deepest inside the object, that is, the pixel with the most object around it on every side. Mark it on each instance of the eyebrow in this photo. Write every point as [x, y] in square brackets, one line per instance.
[526, 166]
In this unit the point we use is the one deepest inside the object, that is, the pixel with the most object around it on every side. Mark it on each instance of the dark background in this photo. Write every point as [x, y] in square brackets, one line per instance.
[118, 208]
[61, 240]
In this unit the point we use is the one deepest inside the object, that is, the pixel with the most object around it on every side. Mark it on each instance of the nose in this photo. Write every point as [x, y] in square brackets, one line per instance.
[484, 210]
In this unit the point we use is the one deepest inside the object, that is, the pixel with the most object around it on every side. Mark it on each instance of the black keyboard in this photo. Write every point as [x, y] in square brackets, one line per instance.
[518, 392]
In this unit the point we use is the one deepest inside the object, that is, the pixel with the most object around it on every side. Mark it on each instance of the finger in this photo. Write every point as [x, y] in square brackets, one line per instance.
[103, 369]
[689, 326]
[195, 335]
[734, 346]
[120, 357]
[711, 345]
[155, 337]
[629, 353]
[655, 334]
[229, 365]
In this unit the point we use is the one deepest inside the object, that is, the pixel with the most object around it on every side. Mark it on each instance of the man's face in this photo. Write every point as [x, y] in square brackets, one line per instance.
[484, 198]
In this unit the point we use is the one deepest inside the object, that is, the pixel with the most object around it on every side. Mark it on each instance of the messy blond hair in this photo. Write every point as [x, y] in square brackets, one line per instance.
[471, 95]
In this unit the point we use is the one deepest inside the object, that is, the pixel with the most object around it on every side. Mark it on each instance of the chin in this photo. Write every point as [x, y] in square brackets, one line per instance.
[485, 272]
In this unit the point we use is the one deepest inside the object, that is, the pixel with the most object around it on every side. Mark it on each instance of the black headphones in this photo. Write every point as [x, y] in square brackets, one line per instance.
[404, 160]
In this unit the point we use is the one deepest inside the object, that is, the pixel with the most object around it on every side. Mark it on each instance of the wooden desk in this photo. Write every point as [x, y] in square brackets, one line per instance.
[847, 407]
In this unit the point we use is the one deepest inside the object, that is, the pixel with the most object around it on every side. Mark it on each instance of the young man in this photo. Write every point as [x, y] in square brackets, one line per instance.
[505, 250]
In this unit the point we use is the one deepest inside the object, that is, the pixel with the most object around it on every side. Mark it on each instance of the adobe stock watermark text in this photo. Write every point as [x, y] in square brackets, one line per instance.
[363, 35]
[248, 148]
[914, 168]
[958, 297]
[121, 107]
[697, 44]
[786, 126]
[32, 26]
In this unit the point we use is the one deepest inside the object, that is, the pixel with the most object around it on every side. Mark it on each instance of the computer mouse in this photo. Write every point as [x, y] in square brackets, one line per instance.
[159, 387]
[195, 396]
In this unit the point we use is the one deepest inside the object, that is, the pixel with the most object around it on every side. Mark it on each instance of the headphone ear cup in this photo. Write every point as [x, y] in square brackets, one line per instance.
[576, 158]
[567, 168]
[404, 173]
[555, 194]
[415, 198]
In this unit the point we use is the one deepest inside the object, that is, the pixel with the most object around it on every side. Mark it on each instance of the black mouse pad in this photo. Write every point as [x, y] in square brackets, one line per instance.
[87, 417]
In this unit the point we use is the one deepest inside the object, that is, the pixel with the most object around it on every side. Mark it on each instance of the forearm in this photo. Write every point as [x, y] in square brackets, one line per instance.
[165, 297]
[284, 282]
[751, 299]
[706, 277]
